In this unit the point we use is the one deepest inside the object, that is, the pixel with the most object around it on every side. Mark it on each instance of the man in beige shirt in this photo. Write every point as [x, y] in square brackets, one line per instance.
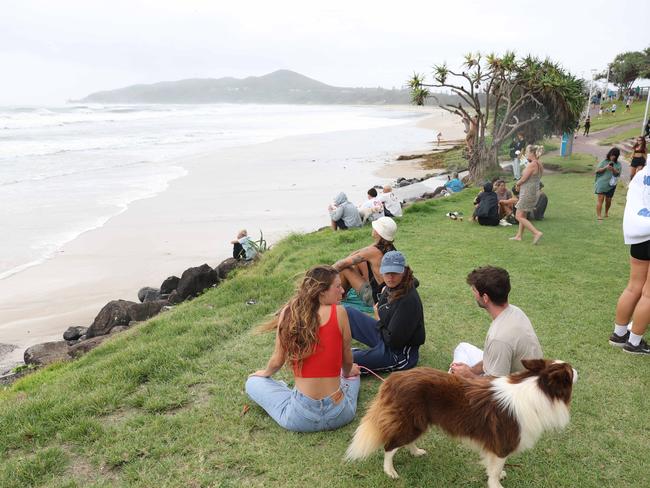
[509, 339]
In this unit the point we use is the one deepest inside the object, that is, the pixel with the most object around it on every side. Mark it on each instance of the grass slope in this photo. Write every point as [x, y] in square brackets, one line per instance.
[621, 117]
[163, 404]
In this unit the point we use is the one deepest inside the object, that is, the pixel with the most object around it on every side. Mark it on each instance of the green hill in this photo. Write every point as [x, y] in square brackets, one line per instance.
[163, 404]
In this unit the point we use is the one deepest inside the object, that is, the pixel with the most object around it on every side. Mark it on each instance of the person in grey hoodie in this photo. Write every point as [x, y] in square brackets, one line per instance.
[343, 213]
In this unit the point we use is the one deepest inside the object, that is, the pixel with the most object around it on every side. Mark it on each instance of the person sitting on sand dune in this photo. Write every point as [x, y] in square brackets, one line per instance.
[343, 213]
[360, 270]
[243, 247]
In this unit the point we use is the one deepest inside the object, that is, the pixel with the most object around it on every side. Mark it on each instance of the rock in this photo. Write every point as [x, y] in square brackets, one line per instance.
[148, 294]
[193, 282]
[169, 285]
[47, 353]
[224, 268]
[114, 313]
[82, 347]
[144, 311]
[83, 337]
[119, 328]
[74, 333]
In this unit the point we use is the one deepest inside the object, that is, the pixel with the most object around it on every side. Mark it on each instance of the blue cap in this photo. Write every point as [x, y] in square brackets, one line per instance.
[392, 262]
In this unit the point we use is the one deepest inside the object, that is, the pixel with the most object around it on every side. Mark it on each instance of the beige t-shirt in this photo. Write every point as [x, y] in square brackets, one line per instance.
[509, 339]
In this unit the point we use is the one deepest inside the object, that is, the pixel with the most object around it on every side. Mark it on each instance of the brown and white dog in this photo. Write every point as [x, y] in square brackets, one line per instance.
[496, 416]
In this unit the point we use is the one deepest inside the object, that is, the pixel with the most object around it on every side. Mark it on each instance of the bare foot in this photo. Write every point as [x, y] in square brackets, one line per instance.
[515, 238]
[537, 238]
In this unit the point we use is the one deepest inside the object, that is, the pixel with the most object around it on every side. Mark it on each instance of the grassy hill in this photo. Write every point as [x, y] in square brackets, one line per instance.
[163, 404]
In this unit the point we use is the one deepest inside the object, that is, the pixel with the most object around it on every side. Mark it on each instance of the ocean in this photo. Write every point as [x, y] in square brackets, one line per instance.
[68, 169]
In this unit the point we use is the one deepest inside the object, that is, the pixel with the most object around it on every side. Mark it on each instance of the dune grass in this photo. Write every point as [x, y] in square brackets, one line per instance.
[162, 405]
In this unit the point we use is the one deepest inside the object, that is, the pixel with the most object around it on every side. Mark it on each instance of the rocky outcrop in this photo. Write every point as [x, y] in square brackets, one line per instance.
[169, 285]
[114, 313]
[143, 311]
[193, 282]
[224, 268]
[74, 333]
[46, 353]
[148, 294]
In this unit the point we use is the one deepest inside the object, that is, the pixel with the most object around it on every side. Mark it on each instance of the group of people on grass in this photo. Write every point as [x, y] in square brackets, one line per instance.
[346, 215]
[315, 329]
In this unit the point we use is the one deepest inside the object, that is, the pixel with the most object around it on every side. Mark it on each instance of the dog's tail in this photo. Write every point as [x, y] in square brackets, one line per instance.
[368, 437]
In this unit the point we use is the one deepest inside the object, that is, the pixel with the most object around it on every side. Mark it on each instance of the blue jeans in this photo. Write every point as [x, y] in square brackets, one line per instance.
[380, 357]
[300, 413]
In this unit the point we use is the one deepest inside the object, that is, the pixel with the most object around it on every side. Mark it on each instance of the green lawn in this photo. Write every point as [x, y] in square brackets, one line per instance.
[620, 137]
[575, 163]
[163, 405]
[621, 117]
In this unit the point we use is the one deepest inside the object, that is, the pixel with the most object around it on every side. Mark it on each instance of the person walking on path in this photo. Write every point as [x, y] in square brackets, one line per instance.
[313, 334]
[639, 156]
[528, 186]
[634, 303]
[607, 174]
[396, 332]
[587, 126]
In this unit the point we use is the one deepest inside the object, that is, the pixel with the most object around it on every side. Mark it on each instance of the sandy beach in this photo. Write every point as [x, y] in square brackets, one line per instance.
[279, 187]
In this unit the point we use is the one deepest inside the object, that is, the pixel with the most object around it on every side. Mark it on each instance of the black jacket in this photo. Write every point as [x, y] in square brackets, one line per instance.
[401, 323]
[488, 205]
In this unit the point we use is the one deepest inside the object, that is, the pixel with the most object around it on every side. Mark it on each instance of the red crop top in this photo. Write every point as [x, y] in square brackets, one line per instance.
[327, 358]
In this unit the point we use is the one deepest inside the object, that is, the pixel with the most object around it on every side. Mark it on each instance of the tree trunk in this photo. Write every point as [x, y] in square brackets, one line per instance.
[482, 162]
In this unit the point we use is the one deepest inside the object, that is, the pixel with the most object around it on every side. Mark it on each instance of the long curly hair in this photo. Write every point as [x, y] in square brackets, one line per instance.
[404, 287]
[298, 329]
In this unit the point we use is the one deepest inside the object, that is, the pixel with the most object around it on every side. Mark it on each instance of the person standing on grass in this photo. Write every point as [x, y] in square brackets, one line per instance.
[517, 145]
[313, 335]
[639, 156]
[528, 186]
[509, 339]
[396, 332]
[607, 174]
[587, 126]
[634, 303]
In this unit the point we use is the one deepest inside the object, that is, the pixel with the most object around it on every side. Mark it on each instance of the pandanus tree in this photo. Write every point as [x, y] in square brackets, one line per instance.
[501, 96]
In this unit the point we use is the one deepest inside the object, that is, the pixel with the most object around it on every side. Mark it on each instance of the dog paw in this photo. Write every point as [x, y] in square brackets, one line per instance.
[391, 473]
[418, 452]
[503, 475]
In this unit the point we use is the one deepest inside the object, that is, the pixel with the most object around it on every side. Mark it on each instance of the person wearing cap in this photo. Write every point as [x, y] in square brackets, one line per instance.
[396, 332]
[343, 213]
[360, 270]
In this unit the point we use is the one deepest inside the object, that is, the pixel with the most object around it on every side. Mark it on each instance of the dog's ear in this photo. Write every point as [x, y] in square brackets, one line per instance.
[560, 375]
[534, 365]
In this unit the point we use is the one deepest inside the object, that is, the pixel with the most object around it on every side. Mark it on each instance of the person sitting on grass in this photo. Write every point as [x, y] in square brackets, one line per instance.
[454, 185]
[487, 206]
[360, 270]
[343, 213]
[243, 247]
[313, 335]
[396, 332]
[392, 205]
[504, 197]
[540, 207]
[372, 209]
[509, 339]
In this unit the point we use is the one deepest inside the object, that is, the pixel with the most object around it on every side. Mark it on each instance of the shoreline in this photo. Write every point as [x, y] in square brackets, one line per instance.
[192, 222]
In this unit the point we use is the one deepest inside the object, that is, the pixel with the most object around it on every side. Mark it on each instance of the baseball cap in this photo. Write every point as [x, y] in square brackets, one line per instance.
[385, 227]
[392, 262]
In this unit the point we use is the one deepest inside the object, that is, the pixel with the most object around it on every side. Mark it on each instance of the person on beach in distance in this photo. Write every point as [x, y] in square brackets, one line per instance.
[392, 205]
[372, 209]
[243, 247]
[634, 303]
[509, 339]
[343, 213]
[360, 270]
[516, 147]
[396, 332]
[454, 185]
[639, 156]
[606, 179]
[487, 206]
[587, 126]
[439, 137]
[528, 186]
[313, 334]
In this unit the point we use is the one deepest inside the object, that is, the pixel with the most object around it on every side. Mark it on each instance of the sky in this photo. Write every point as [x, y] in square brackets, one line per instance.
[52, 51]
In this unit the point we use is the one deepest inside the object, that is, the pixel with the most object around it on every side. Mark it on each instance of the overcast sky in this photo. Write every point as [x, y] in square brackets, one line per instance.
[51, 50]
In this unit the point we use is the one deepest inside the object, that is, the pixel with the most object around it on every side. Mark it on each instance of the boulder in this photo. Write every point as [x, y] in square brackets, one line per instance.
[169, 285]
[193, 282]
[114, 313]
[119, 328]
[144, 311]
[46, 353]
[224, 268]
[82, 347]
[74, 333]
[148, 294]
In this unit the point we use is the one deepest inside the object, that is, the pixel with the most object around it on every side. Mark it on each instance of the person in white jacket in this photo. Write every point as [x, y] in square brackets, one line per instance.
[634, 302]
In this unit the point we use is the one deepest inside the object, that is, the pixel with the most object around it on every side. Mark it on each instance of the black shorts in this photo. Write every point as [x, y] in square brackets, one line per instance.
[641, 251]
[608, 194]
[340, 224]
[637, 162]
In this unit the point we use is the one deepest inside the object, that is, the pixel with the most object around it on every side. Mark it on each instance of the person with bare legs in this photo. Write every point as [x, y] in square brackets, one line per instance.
[634, 302]
[639, 156]
[528, 186]
[607, 174]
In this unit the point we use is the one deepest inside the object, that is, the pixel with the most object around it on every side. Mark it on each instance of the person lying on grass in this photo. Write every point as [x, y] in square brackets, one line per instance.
[360, 270]
[313, 334]
[396, 332]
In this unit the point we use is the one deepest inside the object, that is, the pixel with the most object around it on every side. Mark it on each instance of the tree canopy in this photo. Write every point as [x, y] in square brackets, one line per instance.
[627, 67]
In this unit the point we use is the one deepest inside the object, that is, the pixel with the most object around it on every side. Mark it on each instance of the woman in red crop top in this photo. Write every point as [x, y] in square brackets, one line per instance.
[313, 334]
